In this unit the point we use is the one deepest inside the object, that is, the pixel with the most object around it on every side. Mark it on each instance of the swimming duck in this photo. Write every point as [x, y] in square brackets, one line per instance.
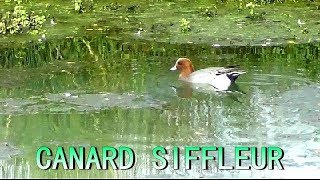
[219, 77]
[52, 21]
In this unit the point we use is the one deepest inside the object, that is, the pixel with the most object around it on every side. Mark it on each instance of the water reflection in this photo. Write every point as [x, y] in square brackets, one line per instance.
[61, 101]
[185, 90]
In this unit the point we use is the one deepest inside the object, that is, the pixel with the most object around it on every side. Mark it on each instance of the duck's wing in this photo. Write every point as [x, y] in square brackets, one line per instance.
[232, 72]
[221, 70]
[209, 70]
[230, 69]
[207, 75]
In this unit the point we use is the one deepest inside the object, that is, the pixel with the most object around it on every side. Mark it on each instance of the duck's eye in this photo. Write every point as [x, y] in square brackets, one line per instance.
[179, 63]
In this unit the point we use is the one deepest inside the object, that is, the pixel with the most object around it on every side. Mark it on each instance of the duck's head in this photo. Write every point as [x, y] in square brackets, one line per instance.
[185, 67]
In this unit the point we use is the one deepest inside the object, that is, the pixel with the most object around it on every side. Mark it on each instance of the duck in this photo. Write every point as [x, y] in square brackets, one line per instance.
[220, 78]
[52, 22]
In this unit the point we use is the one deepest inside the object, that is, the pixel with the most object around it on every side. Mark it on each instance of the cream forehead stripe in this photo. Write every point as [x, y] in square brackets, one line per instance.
[175, 65]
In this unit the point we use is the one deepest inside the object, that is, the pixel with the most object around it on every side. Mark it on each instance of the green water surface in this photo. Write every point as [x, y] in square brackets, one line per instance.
[112, 88]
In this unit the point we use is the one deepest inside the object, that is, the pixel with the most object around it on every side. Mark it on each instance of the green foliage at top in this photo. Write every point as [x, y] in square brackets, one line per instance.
[227, 22]
[20, 21]
[17, 1]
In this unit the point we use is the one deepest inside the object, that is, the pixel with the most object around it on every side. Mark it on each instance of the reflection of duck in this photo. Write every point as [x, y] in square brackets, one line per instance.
[184, 91]
[221, 78]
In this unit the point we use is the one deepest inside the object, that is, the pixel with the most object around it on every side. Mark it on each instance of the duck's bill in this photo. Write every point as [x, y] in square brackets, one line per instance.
[173, 68]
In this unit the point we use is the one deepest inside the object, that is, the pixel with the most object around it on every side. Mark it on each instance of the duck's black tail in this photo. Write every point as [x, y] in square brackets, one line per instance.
[234, 74]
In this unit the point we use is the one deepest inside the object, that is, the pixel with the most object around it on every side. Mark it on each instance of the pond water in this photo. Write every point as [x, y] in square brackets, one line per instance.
[102, 91]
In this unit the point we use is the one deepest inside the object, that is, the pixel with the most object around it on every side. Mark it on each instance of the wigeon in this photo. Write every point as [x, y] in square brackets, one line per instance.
[219, 77]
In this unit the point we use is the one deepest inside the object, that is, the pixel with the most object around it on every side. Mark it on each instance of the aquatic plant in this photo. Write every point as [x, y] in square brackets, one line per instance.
[208, 11]
[261, 2]
[82, 6]
[251, 7]
[133, 8]
[21, 21]
[114, 6]
[253, 14]
[185, 25]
